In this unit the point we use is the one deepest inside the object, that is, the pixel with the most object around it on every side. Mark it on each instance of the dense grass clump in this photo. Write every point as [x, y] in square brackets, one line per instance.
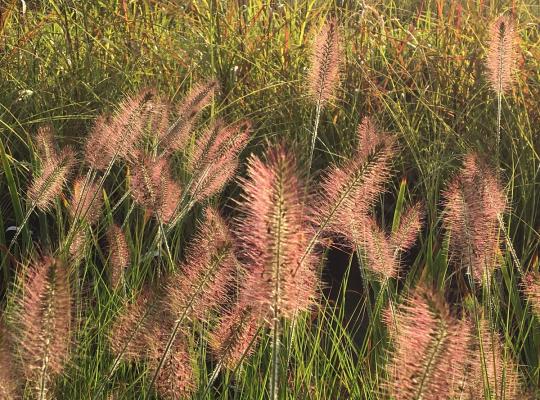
[285, 200]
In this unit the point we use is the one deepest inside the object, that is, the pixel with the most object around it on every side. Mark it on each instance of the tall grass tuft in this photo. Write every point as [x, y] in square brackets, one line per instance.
[474, 200]
[324, 72]
[274, 237]
[45, 318]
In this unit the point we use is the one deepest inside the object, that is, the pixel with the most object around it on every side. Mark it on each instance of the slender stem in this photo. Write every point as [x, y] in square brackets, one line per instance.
[314, 134]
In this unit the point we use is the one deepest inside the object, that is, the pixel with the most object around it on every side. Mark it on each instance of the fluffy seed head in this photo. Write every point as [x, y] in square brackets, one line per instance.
[430, 350]
[124, 338]
[45, 321]
[491, 368]
[215, 157]
[49, 184]
[502, 54]
[473, 201]
[325, 61]
[235, 337]
[153, 187]
[274, 236]
[45, 144]
[9, 381]
[86, 201]
[119, 258]
[198, 98]
[117, 136]
[531, 288]
[176, 379]
[206, 275]
[349, 190]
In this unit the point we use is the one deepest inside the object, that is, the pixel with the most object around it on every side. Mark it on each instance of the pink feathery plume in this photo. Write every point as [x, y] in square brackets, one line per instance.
[473, 201]
[86, 201]
[215, 157]
[45, 188]
[45, 144]
[46, 323]
[381, 250]
[118, 135]
[159, 117]
[274, 236]
[204, 282]
[127, 337]
[153, 187]
[492, 372]
[531, 288]
[409, 227]
[325, 62]
[9, 379]
[199, 97]
[375, 245]
[502, 54]
[351, 189]
[119, 257]
[176, 377]
[236, 335]
[430, 350]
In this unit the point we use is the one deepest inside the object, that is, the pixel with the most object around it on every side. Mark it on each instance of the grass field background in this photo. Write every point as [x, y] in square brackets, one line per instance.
[416, 67]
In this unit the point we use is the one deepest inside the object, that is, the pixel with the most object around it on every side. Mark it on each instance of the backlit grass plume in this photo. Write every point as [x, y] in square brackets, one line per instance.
[48, 185]
[86, 201]
[199, 97]
[502, 54]
[204, 280]
[117, 136]
[531, 288]
[430, 350]
[350, 189]
[380, 249]
[127, 334]
[175, 378]
[236, 335]
[214, 159]
[493, 373]
[45, 317]
[324, 71]
[274, 236]
[119, 256]
[153, 187]
[9, 380]
[474, 200]
[45, 144]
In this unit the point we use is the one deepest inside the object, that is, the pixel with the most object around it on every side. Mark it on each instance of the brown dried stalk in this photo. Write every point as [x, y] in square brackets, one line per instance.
[474, 200]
